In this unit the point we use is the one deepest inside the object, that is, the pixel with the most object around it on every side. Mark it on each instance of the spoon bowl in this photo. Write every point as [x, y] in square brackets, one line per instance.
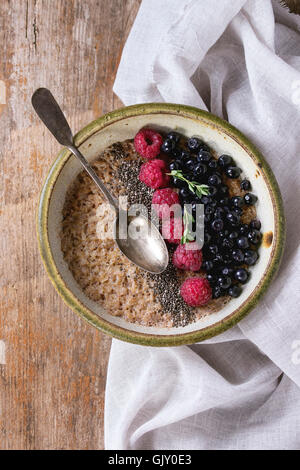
[144, 245]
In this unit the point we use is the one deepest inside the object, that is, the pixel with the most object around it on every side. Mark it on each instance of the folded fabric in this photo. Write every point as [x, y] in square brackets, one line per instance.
[240, 390]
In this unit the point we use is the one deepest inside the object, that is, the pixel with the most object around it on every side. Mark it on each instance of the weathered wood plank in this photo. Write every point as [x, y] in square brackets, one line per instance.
[52, 385]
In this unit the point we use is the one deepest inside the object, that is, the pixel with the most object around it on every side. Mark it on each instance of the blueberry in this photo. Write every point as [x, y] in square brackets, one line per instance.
[168, 146]
[207, 238]
[190, 164]
[212, 249]
[194, 144]
[212, 190]
[214, 180]
[177, 153]
[235, 291]
[246, 185]
[227, 243]
[227, 259]
[237, 210]
[224, 201]
[233, 235]
[189, 174]
[241, 275]
[185, 155]
[237, 255]
[244, 229]
[209, 209]
[223, 234]
[242, 242]
[200, 169]
[218, 259]
[217, 225]
[250, 199]
[174, 136]
[217, 292]
[178, 183]
[208, 265]
[206, 200]
[254, 236]
[175, 165]
[185, 195]
[233, 218]
[223, 190]
[211, 278]
[227, 271]
[219, 213]
[203, 157]
[237, 201]
[224, 282]
[204, 147]
[225, 160]
[213, 164]
[251, 257]
[197, 199]
[233, 172]
[255, 224]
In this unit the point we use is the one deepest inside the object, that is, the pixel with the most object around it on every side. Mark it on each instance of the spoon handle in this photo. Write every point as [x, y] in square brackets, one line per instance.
[52, 116]
[111, 199]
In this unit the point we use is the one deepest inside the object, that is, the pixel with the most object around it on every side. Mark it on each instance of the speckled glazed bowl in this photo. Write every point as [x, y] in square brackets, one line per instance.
[222, 137]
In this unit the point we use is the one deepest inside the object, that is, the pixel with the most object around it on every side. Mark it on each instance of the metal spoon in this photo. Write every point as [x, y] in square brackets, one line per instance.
[144, 245]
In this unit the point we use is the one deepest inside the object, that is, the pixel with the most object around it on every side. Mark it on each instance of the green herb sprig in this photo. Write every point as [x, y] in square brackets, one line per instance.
[188, 219]
[194, 187]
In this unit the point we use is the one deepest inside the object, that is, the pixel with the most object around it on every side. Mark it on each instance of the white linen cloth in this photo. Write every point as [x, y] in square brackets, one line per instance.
[239, 390]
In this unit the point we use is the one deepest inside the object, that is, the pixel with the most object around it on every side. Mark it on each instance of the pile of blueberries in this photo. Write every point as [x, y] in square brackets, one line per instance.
[230, 246]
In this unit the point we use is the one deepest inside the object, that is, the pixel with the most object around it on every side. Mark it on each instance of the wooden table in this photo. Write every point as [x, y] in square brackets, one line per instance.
[53, 365]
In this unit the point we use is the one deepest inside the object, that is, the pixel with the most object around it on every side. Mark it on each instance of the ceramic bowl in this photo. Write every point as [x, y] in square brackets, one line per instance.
[223, 138]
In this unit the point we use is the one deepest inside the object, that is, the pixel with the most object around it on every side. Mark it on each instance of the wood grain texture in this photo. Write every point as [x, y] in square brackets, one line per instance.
[52, 384]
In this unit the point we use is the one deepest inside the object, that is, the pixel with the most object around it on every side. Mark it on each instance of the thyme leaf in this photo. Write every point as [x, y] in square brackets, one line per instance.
[188, 219]
[194, 186]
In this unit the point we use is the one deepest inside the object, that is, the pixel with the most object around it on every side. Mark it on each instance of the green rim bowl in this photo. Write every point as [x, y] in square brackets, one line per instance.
[222, 137]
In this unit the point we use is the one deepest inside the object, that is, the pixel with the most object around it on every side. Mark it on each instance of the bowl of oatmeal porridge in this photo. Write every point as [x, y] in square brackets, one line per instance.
[98, 283]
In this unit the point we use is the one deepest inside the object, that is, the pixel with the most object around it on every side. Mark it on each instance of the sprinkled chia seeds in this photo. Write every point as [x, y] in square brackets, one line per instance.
[137, 192]
[167, 289]
[165, 286]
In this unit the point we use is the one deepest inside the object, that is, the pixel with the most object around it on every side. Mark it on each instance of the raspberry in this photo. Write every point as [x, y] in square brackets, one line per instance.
[154, 174]
[164, 199]
[147, 143]
[196, 291]
[172, 230]
[188, 259]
